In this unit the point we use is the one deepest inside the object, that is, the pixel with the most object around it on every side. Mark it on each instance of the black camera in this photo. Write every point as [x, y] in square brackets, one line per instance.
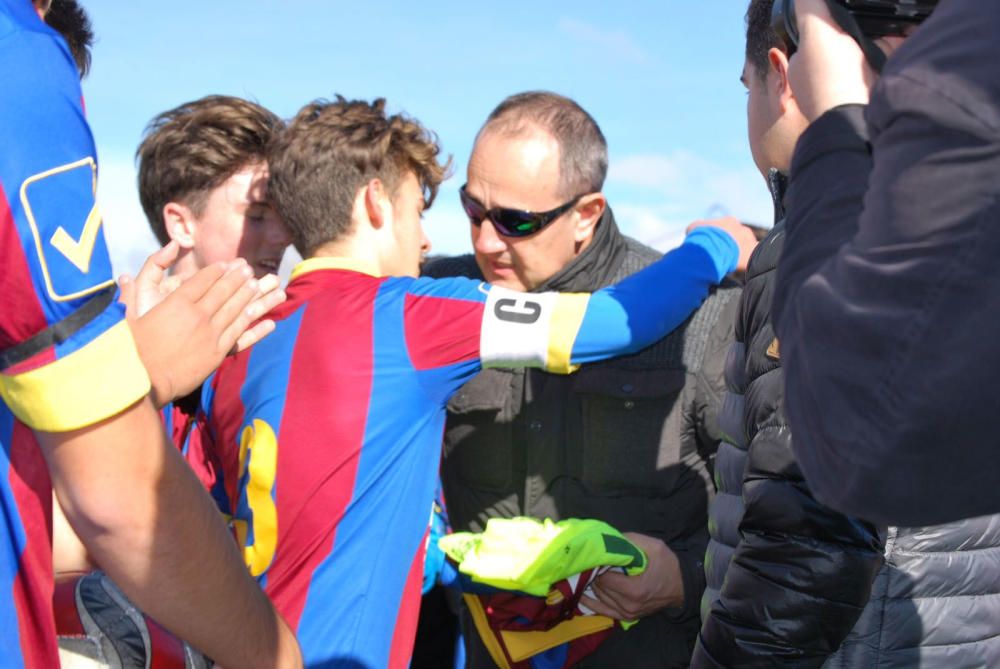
[874, 18]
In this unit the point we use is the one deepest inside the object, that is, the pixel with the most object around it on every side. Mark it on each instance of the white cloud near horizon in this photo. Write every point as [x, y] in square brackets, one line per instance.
[130, 240]
[662, 194]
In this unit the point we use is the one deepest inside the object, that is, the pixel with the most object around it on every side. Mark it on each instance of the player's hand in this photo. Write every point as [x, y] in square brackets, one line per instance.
[185, 337]
[744, 237]
[633, 597]
[152, 284]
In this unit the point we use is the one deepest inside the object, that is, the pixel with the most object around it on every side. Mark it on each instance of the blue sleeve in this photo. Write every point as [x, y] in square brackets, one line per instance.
[636, 312]
[61, 327]
[459, 323]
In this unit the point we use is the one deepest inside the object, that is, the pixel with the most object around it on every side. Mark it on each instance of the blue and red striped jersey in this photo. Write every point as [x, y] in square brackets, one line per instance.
[326, 435]
[61, 329]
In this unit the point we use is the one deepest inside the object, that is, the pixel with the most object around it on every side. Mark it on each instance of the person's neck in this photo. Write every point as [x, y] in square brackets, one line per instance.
[354, 248]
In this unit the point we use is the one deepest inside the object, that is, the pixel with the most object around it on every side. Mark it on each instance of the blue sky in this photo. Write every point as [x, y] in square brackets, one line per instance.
[659, 76]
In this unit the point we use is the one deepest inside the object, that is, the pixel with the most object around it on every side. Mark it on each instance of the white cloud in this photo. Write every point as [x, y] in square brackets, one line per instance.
[680, 187]
[616, 42]
[675, 188]
[128, 235]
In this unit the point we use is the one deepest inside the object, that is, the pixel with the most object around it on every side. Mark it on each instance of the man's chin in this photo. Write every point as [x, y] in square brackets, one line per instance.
[511, 283]
[505, 277]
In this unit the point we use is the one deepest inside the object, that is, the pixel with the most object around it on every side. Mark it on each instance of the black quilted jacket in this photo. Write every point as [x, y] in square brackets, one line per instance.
[787, 577]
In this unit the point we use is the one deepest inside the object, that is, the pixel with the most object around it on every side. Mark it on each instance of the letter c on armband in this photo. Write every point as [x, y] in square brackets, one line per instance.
[509, 310]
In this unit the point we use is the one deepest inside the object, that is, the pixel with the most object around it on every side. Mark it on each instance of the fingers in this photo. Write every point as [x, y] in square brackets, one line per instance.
[198, 286]
[156, 265]
[170, 284]
[237, 315]
[807, 10]
[613, 602]
[599, 607]
[127, 296]
[269, 283]
[233, 316]
[269, 296]
[256, 332]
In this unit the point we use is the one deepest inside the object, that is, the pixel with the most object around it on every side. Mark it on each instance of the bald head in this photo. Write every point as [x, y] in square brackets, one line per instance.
[583, 151]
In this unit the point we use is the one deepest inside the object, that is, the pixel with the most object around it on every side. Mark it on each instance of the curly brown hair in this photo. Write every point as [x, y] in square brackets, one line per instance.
[189, 150]
[330, 150]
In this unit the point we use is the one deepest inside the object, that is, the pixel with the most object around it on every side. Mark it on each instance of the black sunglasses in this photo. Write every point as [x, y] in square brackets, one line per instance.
[512, 222]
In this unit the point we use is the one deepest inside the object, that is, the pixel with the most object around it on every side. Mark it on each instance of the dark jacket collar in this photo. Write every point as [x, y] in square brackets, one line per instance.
[596, 265]
[777, 183]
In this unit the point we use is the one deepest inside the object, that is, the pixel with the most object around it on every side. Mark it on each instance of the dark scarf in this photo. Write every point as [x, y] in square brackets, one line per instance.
[596, 266]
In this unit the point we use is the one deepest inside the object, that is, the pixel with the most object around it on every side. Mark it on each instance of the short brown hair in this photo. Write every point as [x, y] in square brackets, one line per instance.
[583, 151]
[191, 149]
[333, 148]
[761, 37]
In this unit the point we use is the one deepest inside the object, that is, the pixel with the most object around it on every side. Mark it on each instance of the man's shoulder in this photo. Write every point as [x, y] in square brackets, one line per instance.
[639, 255]
[450, 266]
[686, 346]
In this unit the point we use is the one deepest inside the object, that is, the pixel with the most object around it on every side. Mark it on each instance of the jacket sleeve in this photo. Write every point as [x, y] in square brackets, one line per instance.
[886, 293]
[710, 378]
[700, 438]
[801, 574]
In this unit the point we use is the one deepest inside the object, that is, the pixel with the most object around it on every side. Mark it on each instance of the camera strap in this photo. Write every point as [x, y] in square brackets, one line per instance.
[875, 56]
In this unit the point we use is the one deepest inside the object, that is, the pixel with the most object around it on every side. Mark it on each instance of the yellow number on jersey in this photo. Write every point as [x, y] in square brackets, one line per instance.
[258, 441]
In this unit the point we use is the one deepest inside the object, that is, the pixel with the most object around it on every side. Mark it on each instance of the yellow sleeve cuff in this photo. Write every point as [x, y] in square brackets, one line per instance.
[567, 317]
[93, 383]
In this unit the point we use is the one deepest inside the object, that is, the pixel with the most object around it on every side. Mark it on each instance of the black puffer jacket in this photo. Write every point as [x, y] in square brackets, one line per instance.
[787, 577]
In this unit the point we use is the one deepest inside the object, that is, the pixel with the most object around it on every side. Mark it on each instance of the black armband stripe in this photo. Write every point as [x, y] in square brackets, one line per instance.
[61, 331]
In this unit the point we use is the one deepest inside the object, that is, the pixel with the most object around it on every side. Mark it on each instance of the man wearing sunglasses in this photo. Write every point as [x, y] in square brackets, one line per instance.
[625, 441]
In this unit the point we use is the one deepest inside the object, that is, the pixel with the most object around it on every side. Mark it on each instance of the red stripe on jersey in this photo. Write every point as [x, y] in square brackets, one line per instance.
[36, 361]
[165, 650]
[409, 612]
[67, 616]
[332, 359]
[22, 314]
[226, 447]
[442, 331]
[33, 587]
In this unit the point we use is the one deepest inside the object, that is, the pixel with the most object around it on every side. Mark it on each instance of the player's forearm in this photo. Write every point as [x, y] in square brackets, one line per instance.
[648, 305]
[145, 519]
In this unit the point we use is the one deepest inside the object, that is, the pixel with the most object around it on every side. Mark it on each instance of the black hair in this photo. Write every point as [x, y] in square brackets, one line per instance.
[70, 20]
[761, 37]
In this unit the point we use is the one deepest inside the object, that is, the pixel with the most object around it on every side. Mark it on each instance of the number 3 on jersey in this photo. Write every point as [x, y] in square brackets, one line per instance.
[256, 521]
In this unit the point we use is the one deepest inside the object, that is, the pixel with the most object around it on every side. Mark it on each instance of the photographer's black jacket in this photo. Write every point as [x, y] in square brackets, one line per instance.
[888, 298]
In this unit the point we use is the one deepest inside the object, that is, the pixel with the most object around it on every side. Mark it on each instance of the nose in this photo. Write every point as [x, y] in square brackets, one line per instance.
[276, 233]
[486, 239]
[425, 242]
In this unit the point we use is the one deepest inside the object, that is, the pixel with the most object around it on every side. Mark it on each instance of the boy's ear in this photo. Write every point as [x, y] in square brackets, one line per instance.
[777, 62]
[376, 200]
[180, 224]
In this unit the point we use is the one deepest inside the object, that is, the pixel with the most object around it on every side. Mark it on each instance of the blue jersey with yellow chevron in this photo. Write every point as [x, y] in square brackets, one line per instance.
[67, 358]
[326, 435]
